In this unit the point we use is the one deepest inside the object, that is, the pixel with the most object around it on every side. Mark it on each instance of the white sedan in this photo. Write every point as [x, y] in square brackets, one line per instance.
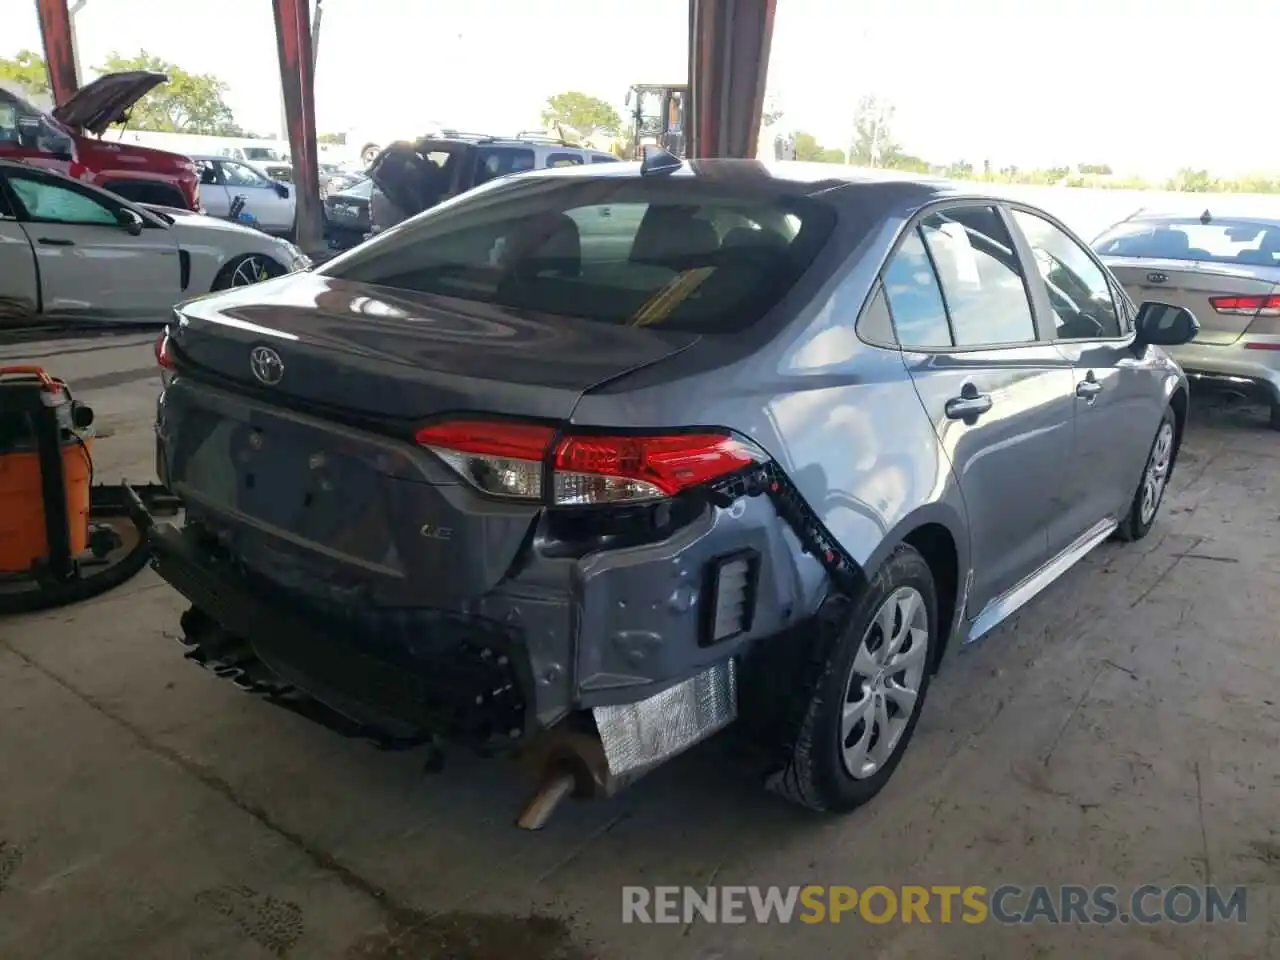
[72, 252]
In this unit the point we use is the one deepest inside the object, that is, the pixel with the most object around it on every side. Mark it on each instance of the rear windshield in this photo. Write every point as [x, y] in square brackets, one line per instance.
[666, 252]
[1251, 243]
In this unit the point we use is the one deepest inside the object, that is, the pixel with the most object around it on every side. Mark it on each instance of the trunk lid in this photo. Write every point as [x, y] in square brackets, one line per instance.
[106, 100]
[344, 512]
[381, 353]
[1191, 284]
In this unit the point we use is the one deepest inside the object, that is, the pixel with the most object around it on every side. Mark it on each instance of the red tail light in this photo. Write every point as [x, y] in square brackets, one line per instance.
[626, 469]
[1268, 306]
[512, 460]
[162, 352]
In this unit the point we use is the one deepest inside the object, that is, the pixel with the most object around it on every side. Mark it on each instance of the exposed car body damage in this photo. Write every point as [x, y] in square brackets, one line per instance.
[549, 499]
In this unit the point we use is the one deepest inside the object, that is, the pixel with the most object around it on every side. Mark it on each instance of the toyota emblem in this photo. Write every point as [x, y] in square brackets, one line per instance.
[267, 366]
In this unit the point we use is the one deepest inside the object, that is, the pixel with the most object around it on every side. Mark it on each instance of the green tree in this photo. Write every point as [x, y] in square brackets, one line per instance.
[1097, 169]
[1188, 180]
[188, 103]
[587, 114]
[905, 161]
[334, 139]
[808, 148]
[873, 144]
[26, 70]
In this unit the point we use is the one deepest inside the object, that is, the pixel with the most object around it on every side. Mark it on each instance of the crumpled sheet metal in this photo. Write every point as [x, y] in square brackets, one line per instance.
[639, 736]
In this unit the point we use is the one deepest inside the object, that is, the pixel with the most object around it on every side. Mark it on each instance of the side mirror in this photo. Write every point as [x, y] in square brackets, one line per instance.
[281, 190]
[1165, 325]
[130, 222]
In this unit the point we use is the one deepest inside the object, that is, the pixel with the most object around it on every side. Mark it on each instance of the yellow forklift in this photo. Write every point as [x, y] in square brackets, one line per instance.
[658, 117]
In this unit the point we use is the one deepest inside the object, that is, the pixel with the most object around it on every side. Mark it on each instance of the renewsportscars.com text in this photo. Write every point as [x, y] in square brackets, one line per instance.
[1006, 904]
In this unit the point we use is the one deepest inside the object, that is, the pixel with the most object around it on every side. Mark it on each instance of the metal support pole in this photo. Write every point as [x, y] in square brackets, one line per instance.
[729, 42]
[297, 80]
[59, 48]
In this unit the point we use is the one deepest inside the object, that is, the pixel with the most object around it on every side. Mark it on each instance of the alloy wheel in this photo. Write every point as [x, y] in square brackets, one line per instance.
[250, 270]
[1157, 473]
[884, 685]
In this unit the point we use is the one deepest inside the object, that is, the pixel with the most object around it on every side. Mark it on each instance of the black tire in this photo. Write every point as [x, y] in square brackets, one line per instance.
[815, 774]
[1134, 526]
[224, 279]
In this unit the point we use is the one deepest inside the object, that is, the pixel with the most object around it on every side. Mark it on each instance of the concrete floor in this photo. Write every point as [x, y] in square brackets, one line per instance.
[1124, 729]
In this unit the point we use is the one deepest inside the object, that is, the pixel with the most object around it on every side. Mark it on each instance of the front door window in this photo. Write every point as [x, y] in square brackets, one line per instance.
[54, 203]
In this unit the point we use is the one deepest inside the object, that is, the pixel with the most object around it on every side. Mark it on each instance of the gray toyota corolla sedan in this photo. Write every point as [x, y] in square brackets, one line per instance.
[590, 463]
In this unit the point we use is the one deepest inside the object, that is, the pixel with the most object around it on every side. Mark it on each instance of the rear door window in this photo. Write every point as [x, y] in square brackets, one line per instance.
[564, 159]
[914, 297]
[981, 277]
[494, 162]
[628, 252]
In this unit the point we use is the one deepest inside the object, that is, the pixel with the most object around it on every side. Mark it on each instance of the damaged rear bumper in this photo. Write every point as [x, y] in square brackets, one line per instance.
[477, 690]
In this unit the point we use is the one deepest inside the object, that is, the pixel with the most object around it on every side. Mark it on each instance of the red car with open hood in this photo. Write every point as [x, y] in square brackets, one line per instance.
[68, 139]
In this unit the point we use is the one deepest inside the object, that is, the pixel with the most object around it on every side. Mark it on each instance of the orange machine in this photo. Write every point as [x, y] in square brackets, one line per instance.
[46, 472]
[63, 538]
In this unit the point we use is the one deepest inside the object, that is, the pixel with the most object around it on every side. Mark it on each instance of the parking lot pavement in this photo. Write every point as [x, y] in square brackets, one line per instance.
[1123, 729]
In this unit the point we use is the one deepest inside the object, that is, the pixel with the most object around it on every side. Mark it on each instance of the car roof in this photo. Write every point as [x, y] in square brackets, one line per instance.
[491, 140]
[834, 182]
[1225, 217]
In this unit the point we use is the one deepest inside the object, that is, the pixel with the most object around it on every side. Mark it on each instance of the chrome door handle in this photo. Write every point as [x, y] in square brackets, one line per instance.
[968, 408]
[1088, 389]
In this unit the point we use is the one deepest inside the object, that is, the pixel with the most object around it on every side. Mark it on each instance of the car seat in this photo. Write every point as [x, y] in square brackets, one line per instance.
[547, 246]
[669, 234]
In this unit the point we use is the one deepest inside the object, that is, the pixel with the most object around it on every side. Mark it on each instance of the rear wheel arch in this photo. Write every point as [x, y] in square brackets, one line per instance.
[1179, 402]
[937, 532]
[935, 543]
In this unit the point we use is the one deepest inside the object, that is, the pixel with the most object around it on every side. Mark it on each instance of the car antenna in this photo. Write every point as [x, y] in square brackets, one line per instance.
[656, 160]
[1206, 217]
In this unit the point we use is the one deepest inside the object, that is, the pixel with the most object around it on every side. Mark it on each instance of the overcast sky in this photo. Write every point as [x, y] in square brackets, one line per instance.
[1146, 85]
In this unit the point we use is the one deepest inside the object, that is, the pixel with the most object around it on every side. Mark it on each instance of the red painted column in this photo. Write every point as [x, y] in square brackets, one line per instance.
[729, 43]
[297, 78]
[59, 55]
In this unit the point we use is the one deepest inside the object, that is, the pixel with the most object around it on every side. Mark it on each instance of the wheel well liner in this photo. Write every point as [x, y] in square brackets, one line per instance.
[934, 542]
[1178, 402]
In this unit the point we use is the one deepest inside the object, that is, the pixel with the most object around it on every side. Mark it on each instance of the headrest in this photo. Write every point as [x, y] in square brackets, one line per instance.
[549, 245]
[670, 233]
